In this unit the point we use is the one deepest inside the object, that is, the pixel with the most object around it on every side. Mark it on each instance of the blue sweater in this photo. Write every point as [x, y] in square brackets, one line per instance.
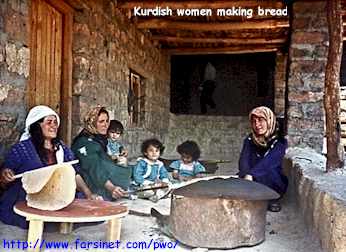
[146, 171]
[264, 165]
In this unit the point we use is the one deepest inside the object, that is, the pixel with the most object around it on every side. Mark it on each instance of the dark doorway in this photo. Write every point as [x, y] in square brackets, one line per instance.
[241, 82]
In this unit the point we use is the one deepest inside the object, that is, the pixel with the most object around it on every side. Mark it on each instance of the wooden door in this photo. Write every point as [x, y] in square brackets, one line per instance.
[51, 59]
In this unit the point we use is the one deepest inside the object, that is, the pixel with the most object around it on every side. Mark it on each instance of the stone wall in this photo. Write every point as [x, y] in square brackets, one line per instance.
[280, 84]
[307, 56]
[218, 137]
[320, 196]
[14, 70]
[105, 47]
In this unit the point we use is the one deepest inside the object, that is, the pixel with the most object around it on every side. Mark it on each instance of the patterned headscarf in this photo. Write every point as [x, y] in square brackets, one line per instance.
[90, 119]
[268, 115]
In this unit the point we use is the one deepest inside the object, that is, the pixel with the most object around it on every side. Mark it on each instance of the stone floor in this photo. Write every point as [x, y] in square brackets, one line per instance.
[285, 232]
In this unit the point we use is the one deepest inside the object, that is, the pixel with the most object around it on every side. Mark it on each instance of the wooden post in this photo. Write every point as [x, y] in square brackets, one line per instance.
[332, 87]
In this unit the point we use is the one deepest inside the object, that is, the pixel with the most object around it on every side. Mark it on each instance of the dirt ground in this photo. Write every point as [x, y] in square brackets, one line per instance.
[285, 232]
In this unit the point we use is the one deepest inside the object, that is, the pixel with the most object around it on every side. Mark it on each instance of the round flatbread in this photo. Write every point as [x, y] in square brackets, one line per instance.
[57, 192]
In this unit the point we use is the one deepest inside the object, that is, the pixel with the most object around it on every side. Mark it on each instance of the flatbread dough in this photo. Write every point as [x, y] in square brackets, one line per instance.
[50, 188]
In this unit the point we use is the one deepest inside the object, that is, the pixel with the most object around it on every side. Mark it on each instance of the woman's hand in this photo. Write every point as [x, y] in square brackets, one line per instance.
[95, 197]
[7, 175]
[117, 192]
[248, 177]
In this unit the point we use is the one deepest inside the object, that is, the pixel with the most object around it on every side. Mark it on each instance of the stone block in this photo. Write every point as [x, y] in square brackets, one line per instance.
[305, 37]
[18, 60]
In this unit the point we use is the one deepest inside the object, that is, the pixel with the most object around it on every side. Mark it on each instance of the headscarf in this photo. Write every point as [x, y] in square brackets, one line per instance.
[90, 126]
[35, 114]
[90, 120]
[270, 134]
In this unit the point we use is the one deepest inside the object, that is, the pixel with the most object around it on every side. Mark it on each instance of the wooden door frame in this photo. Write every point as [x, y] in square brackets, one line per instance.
[66, 71]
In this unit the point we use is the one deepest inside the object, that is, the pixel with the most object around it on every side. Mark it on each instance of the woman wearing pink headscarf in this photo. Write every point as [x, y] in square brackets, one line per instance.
[262, 154]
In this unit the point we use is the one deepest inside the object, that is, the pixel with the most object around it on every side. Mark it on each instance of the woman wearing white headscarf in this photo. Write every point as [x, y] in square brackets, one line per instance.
[39, 146]
[262, 154]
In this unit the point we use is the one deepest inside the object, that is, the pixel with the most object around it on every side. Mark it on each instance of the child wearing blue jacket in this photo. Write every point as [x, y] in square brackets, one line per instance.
[188, 166]
[149, 170]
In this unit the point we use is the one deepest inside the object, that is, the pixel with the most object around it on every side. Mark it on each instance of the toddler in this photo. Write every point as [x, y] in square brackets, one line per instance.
[149, 170]
[188, 166]
[114, 148]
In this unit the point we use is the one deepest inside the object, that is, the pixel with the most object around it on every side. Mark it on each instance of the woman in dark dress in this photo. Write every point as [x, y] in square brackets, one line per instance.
[39, 146]
[262, 154]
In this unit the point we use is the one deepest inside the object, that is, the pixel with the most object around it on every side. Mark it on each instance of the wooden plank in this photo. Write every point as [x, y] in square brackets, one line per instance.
[39, 72]
[54, 45]
[57, 61]
[30, 100]
[157, 23]
[66, 88]
[48, 56]
[223, 50]
[187, 4]
[43, 84]
[235, 41]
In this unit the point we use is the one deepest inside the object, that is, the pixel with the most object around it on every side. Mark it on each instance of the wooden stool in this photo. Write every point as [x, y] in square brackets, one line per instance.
[80, 210]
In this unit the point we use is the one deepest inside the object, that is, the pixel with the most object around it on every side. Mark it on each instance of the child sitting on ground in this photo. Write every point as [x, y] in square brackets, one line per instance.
[149, 171]
[114, 148]
[188, 166]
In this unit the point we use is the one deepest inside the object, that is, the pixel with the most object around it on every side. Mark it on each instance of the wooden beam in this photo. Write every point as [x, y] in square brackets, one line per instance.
[234, 41]
[335, 153]
[224, 50]
[201, 4]
[157, 23]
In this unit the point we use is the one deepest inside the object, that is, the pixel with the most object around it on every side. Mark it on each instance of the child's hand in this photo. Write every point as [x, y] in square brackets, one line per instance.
[184, 178]
[124, 153]
[175, 175]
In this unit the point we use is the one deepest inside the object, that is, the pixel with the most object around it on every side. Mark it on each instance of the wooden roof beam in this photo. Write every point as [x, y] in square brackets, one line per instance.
[202, 4]
[234, 41]
[223, 50]
[157, 23]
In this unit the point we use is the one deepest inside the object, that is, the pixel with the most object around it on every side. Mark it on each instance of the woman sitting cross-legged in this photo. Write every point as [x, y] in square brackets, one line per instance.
[262, 154]
[39, 146]
[101, 174]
